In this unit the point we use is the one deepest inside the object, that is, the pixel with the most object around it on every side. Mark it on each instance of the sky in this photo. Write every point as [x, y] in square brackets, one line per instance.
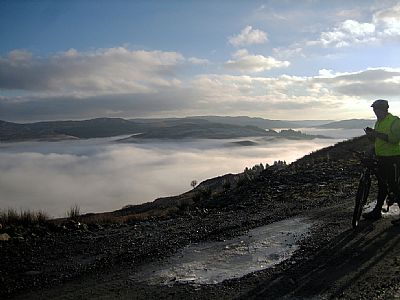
[292, 60]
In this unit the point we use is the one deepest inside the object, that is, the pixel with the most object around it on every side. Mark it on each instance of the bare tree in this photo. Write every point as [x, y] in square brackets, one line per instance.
[193, 183]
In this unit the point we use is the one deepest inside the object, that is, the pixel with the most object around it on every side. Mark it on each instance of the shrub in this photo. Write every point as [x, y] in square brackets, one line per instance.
[205, 192]
[183, 206]
[226, 185]
[196, 197]
[241, 181]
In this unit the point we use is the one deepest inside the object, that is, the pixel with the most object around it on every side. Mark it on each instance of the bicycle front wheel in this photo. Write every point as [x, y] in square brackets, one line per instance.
[361, 199]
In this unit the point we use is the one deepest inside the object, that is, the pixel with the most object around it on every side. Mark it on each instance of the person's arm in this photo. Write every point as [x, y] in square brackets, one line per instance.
[382, 136]
[395, 129]
[372, 134]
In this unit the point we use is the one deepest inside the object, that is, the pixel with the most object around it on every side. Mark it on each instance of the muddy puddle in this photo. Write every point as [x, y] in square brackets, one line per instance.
[214, 262]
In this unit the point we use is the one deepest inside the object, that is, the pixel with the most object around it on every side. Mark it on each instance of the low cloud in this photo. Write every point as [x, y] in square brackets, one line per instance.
[101, 176]
[248, 36]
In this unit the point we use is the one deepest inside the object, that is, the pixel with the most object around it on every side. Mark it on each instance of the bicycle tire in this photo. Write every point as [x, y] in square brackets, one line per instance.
[361, 199]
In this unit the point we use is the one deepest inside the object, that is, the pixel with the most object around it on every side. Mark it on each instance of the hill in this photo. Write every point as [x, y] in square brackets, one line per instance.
[195, 129]
[349, 124]
[261, 122]
[173, 128]
[94, 128]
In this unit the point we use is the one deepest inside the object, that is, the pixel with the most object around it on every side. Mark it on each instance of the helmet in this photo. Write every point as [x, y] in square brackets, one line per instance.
[380, 103]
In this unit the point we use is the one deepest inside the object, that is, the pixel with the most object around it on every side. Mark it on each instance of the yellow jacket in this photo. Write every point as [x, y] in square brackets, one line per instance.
[390, 126]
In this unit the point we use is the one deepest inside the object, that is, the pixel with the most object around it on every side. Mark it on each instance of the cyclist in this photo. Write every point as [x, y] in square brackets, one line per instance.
[386, 138]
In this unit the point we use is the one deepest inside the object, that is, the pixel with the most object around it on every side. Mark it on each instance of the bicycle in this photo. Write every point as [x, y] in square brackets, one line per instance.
[370, 167]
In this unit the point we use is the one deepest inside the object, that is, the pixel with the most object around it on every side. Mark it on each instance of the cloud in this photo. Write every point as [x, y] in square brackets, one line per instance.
[383, 26]
[204, 94]
[267, 13]
[350, 13]
[19, 55]
[389, 21]
[31, 108]
[292, 51]
[373, 82]
[245, 62]
[327, 94]
[281, 96]
[248, 36]
[285, 96]
[117, 82]
[198, 61]
[112, 70]
[348, 33]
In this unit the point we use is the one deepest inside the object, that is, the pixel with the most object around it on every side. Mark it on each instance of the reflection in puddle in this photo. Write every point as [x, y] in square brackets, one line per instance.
[213, 262]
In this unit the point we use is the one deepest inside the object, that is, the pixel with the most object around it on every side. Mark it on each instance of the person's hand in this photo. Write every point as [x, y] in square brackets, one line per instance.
[370, 132]
[368, 129]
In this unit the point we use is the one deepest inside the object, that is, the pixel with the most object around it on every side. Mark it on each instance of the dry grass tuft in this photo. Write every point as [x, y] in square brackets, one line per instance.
[74, 212]
[24, 217]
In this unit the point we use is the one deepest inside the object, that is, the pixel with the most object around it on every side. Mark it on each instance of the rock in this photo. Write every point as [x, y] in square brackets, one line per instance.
[33, 273]
[94, 227]
[83, 226]
[4, 237]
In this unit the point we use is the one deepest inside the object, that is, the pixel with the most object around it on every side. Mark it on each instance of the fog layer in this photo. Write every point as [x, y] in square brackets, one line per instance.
[102, 175]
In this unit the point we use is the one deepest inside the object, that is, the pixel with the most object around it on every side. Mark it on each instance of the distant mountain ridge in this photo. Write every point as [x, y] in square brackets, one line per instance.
[173, 128]
[279, 124]
[246, 121]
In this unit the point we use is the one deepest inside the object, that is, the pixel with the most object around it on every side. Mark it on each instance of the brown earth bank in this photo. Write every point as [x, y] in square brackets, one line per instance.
[75, 260]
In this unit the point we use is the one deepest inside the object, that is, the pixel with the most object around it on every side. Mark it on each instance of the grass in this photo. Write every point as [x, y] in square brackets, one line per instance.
[74, 212]
[24, 217]
[102, 218]
[28, 217]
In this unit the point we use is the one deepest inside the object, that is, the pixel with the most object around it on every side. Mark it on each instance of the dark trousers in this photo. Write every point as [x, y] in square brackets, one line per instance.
[388, 169]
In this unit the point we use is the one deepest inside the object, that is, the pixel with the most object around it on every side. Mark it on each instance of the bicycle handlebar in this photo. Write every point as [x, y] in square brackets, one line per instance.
[366, 160]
